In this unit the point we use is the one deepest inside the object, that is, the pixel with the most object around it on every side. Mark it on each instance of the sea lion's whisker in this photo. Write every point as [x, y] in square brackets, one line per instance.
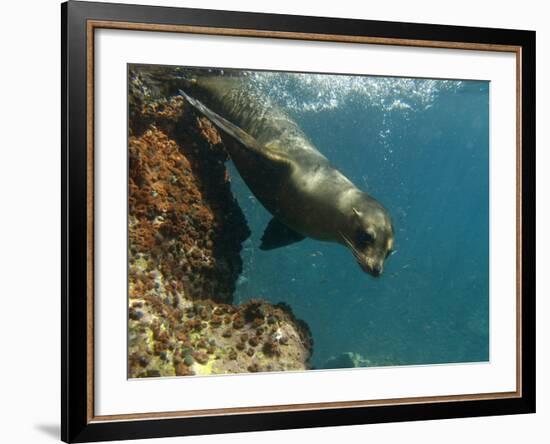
[354, 251]
[348, 242]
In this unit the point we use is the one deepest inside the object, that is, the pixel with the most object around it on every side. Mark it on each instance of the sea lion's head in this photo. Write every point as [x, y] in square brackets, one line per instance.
[369, 235]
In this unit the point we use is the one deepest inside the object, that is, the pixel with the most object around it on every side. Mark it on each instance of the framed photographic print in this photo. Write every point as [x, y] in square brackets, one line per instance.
[277, 221]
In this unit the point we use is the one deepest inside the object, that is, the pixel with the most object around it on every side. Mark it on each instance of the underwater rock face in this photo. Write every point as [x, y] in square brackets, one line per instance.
[182, 241]
[185, 233]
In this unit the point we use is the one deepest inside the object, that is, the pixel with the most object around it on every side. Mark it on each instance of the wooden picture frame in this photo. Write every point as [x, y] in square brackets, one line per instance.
[80, 20]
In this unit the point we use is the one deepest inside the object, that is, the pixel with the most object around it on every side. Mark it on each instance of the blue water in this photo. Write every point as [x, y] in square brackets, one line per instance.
[421, 147]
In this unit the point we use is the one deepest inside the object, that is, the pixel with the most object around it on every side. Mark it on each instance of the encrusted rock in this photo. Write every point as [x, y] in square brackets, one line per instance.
[185, 236]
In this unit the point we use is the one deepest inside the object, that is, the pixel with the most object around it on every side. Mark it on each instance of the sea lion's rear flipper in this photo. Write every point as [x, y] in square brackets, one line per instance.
[271, 155]
[277, 235]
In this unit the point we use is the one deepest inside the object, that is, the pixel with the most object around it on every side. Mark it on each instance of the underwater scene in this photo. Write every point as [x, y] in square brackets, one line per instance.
[284, 221]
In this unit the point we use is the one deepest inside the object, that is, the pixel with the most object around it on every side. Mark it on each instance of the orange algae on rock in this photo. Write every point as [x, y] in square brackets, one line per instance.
[185, 231]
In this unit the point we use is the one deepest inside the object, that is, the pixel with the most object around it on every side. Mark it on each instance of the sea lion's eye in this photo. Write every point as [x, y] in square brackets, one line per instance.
[364, 238]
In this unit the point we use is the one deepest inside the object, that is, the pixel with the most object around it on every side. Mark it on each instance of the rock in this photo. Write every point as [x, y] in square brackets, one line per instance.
[186, 232]
[345, 360]
[354, 360]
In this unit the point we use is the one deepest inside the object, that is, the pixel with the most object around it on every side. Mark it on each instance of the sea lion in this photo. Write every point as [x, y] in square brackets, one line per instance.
[307, 196]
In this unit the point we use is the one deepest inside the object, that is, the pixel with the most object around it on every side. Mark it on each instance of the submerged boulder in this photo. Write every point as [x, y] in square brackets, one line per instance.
[356, 360]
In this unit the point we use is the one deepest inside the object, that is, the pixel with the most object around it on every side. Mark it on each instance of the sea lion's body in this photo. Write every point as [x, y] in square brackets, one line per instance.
[284, 170]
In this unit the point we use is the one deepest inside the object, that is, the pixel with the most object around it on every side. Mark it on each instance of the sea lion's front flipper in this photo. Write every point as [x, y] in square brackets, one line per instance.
[277, 235]
[271, 155]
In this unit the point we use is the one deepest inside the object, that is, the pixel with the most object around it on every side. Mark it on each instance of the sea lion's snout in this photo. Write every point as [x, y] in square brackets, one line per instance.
[374, 268]
[377, 270]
